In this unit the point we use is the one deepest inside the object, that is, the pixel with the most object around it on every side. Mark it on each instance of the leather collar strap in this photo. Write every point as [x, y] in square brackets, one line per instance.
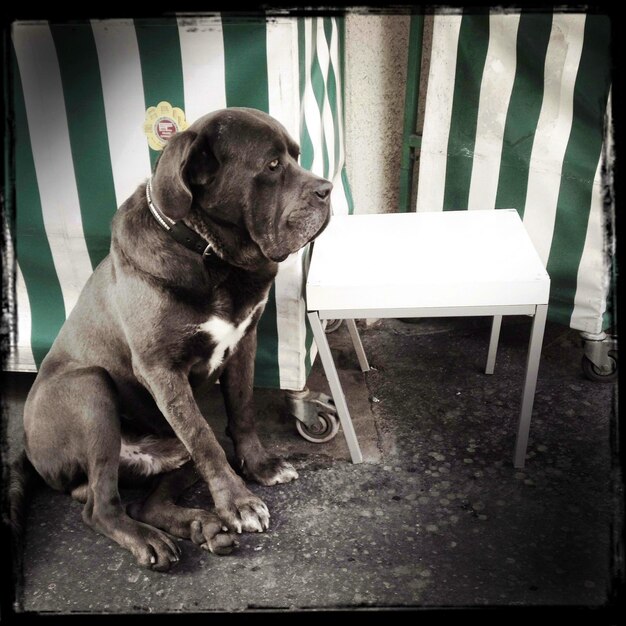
[178, 230]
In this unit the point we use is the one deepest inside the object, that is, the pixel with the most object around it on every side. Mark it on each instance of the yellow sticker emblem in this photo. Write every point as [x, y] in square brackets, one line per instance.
[161, 123]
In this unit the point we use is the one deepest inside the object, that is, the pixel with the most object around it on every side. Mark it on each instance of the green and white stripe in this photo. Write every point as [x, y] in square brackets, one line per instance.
[495, 95]
[514, 117]
[53, 159]
[80, 96]
[124, 105]
[553, 127]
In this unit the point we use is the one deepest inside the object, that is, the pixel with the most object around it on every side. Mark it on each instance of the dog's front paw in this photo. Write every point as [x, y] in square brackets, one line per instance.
[270, 471]
[244, 513]
[209, 533]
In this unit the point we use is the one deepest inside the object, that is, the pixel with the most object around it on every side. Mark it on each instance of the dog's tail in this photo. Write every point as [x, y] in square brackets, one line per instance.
[20, 479]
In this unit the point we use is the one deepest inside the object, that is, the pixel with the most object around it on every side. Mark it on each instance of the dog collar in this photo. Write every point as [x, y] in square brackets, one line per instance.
[178, 230]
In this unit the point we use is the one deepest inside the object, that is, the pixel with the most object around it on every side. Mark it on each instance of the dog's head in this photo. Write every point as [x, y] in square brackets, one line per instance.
[239, 168]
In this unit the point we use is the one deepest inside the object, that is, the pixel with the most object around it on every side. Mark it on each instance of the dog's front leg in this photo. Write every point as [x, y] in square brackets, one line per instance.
[236, 384]
[238, 508]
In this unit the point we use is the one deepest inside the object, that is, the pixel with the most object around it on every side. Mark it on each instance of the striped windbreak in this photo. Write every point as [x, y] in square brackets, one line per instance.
[80, 95]
[516, 117]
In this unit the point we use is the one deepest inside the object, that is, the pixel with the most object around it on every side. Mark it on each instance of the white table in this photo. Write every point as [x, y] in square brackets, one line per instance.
[452, 263]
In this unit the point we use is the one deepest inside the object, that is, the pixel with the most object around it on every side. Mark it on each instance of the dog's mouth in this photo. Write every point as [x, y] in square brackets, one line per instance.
[307, 232]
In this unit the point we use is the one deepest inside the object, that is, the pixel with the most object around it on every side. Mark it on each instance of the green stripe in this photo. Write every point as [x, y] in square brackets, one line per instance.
[341, 31]
[32, 248]
[471, 55]
[346, 186]
[82, 90]
[579, 165]
[245, 62]
[306, 145]
[331, 86]
[317, 83]
[524, 108]
[161, 65]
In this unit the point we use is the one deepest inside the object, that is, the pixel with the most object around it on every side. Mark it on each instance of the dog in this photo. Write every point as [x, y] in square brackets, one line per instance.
[194, 252]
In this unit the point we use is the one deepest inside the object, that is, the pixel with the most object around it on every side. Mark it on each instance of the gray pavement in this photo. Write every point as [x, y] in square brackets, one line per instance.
[436, 516]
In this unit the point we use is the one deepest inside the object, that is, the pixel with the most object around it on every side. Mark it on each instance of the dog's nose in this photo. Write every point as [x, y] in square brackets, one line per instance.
[323, 190]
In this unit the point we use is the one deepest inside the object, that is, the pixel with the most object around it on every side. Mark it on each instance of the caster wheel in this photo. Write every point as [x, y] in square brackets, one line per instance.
[333, 325]
[326, 428]
[597, 375]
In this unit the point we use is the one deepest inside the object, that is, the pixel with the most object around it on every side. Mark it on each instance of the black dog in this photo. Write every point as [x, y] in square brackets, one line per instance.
[193, 255]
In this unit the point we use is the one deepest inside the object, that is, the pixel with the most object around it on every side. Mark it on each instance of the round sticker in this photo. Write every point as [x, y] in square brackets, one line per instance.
[162, 123]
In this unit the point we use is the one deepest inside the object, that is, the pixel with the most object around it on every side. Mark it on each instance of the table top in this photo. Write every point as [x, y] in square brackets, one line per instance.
[427, 259]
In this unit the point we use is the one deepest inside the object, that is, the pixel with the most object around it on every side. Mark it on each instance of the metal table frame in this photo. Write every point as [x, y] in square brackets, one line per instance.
[538, 312]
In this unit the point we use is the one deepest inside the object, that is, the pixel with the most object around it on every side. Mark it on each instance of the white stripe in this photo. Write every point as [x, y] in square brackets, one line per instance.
[52, 155]
[124, 104]
[290, 322]
[438, 114]
[202, 55]
[21, 355]
[284, 105]
[323, 57]
[282, 74]
[495, 95]
[309, 106]
[553, 129]
[592, 282]
[338, 197]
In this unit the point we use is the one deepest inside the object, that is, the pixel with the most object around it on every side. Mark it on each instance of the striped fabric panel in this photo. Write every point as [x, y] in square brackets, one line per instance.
[580, 163]
[514, 119]
[44, 306]
[284, 105]
[124, 104]
[52, 157]
[202, 58]
[322, 124]
[199, 65]
[553, 127]
[523, 111]
[91, 159]
[245, 61]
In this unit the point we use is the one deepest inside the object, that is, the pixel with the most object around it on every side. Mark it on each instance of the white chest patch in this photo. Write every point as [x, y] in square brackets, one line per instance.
[226, 335]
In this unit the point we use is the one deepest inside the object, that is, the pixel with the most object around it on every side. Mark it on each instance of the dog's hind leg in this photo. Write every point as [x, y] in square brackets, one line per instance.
[160, 509]
[104, 512]
[73, 432]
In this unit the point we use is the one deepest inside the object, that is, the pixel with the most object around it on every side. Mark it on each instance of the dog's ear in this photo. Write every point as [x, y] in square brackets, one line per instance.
[170, 187]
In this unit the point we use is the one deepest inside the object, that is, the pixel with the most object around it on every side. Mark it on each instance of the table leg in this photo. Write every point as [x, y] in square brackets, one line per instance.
[358, 346]
[530, 383]
[335, 387]
[493, 344]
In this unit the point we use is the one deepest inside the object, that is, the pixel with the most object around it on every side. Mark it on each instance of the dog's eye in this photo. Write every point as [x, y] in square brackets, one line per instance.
[273, 165]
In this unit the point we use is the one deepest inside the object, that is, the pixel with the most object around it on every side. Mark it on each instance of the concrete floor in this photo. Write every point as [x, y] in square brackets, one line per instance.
[437, 516]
